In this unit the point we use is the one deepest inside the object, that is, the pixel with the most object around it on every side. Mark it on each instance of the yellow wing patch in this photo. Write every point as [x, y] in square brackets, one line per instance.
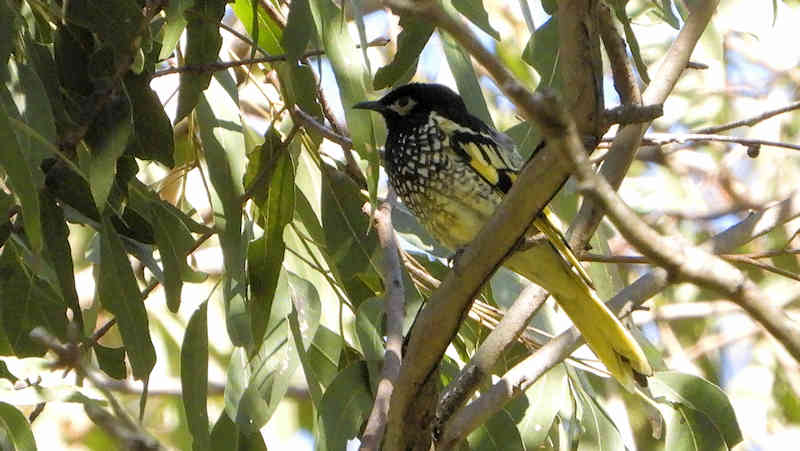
[544, 223]
[477, 160]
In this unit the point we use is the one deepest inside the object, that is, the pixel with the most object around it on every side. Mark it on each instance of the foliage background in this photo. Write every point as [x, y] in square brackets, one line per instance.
[693, 189]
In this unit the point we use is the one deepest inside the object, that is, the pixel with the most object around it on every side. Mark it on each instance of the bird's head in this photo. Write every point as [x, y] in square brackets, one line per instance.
[410, 105]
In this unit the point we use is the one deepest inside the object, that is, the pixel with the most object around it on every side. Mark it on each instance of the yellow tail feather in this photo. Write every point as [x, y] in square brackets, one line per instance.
[556, 269]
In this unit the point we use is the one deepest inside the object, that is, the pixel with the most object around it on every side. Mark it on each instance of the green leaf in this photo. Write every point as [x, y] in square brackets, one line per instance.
[16, 428]
[203, 42]
[23, 172]
[476, 13]
[345, 406]
[543, 401]
[111, 360]
[299, 29]
[304, 323]
[116, 22]
[107, 140]
[152, 137]
[354, 254]
[342, 52]
[600, 433]
[194, 378]
[173, 28]
[702, 396]
[227, 435]
[269, 34]
[256, 386]
[120, 295]
[59, 253]
[369, 332]
[667, 13]
[410, 42]
[498, 433]
[542, 52]
[461, 65]
[690, 430]
[26, 302]
[220, 130]
[265, 255]
[324, 355]
[9, 24]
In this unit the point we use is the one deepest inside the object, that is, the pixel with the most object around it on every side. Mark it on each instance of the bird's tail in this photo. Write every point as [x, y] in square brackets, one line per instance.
[553, 268]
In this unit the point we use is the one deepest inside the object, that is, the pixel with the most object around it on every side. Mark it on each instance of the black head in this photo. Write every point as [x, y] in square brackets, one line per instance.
[410, 105]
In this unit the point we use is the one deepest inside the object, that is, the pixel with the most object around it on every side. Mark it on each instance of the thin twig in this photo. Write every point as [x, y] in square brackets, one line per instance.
[661, 139]
[749, 122]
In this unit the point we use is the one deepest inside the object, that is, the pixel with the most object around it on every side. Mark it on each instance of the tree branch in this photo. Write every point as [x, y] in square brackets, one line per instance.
[661, 139]
[749, 122]
[626, 143]
[394, 302]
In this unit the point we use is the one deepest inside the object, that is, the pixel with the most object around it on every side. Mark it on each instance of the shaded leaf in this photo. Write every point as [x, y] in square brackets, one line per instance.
[16, 427]
[476, 13]
[345, 406]
[23, 173]
[410, 42]
[59, 252]
[175, 23]
[461, 65]
[152, 132]
[265, 255]
[120, 295]
[116, 22]
[544, 399]
[194, 378]
[690, 430]
[223, 143]
[203, 42]
[498, 433]
[107, 139]
[26, 302]
[299, 29]
[266, 33]
[342, 52]
[227, 435]
[702, 396]
[369, 332]
[353, 253]
[542, 52]
[111, 360]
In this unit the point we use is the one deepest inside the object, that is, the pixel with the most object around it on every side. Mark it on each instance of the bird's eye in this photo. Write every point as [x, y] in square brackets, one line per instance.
[402, 102]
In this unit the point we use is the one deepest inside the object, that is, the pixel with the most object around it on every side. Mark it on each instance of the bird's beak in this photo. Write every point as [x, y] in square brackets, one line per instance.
[373, 105]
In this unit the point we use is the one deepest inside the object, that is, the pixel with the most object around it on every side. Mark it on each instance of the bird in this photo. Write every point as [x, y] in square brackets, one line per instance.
[452, 170]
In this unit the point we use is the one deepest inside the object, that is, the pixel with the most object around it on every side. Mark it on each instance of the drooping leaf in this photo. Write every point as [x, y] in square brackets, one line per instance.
[116, 22]
[354, 254]
[265, 255]
[267, 33]
[630, 38]
[194, 378]
[476, 13]
[120, 295]
[543, 401]
[16, 428]
[702, 396]
[218, 123]
[23, 173]
[690, 430]
[107, 140]
[227, 435]
[59, 253]
[111, 360]
[410, 42]
[203, 42]
[498, 433]
[299, 29]
[542, 52]
[27, 302]
[466, 79]
[152, 132]
[345, 406]
[342, 53]
[175, 23]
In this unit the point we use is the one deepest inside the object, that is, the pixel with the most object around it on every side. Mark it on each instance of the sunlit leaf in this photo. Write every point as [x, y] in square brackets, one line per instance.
[476, 13]
[16, 428]
[410, 42]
